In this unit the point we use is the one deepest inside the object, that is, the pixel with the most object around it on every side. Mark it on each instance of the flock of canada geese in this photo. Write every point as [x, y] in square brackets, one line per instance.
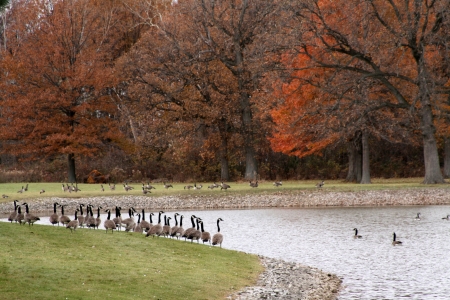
[196, 232]
[394, 235]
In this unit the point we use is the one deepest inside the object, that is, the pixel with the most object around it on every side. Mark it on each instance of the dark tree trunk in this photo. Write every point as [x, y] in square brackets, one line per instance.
[223, 131]
[447, 157]
[71, 175]
[365, 179]
[433, 172]
[354, 160]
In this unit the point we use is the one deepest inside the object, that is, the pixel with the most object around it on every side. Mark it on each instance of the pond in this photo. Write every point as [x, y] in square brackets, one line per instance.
[371, 267]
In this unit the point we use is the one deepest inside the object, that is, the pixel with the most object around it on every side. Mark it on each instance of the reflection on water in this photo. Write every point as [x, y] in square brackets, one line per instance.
[371, 267]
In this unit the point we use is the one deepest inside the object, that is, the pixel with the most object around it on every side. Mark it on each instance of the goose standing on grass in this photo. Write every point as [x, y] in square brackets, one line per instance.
[418, 217]
[98, 220]
[196, 234]
[167, 230]
[166, 186]
[90, 220]
[180, 230]
[118, 219]
[20, 217]
[218, 237]
[206, 236]
[102, 188]
[174, 229]
[213, 186]
[394, 240]
[112, 187]
[224, 186]
[13, 215]
[278, 183]
[21, 190]
[29, 218]
[73, 225]
[26, 188]
[63, 219]
[320, 184]
[54, 218]
[144, 224]
[109, 224]
[137, 227]
[81, 218]
[156, 229]
[188, 231]
[129, 222]
[356, 236]
[42, 191]
[254, 184]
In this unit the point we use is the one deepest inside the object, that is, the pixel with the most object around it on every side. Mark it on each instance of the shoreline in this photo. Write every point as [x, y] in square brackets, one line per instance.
[281, 279]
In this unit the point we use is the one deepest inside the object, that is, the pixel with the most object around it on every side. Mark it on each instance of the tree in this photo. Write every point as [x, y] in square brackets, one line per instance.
[389, 47]
[55, 84]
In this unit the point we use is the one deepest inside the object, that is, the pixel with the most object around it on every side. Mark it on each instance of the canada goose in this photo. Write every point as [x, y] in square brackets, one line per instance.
[102, 188]
[81, 218]
[127, 187]
[109, 224]
[174, 229]
[64, 188]
[206, 236]
[5, 196]
[75, 187]
[394, 240]
[195, 234]
[26, 188]
[320, 184]
[148, 186]
[166, 186]
[254, 184]
[144, 224]
[188, 231]
[21, 190]
[118, 219]
[137, 228]
[145, 191]
[20, 217]
[13, 215]
[98, 220]
[112, 187]
[63, 219]
[54, 218]
[356, 236]
[278, 183]
[417, 218]
[224, 186]
[42, 191]
[213, 186]
[73, 225]
[446, 218]
[27, 217]
[188, 187]
[218, 237]
[90, 220]
[197, 187]
[156, 229]
[129, 222]
[180, 230]
[167, 230]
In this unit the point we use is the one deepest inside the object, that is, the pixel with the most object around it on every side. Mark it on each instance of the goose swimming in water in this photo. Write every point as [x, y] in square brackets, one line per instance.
[394, 240]
[356, 236]
[446, 218]
[418, 217]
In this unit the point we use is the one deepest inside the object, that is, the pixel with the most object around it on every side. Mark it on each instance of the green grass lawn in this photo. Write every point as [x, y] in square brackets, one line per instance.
[237, 188]
[46, 262]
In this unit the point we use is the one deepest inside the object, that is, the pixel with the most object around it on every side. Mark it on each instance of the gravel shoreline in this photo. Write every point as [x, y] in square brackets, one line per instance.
[280, 280]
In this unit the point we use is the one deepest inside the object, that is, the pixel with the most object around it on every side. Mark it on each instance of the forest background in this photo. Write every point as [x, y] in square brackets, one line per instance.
[205, 90]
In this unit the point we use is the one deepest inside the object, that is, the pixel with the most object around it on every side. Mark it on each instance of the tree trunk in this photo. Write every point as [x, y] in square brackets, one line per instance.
[223, 131]
[354, 160]
[365, 179]
[251, 168]
[433, 172]
[71, 175]
[447, 157]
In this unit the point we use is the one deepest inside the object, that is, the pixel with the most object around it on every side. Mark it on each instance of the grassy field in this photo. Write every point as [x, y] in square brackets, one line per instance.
[237, 188]
[46, 262]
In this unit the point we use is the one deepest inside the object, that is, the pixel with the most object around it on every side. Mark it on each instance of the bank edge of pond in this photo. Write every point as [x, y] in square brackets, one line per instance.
[282, 280]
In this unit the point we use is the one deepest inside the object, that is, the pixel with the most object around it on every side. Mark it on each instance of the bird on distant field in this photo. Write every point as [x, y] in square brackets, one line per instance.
[320, 184]
[278, 183]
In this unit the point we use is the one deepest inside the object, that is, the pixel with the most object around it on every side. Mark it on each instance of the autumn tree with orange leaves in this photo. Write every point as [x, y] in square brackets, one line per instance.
[381, 58]
[56, 75]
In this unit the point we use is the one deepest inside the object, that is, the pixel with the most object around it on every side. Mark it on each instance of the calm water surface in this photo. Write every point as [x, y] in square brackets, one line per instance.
[371, 267]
